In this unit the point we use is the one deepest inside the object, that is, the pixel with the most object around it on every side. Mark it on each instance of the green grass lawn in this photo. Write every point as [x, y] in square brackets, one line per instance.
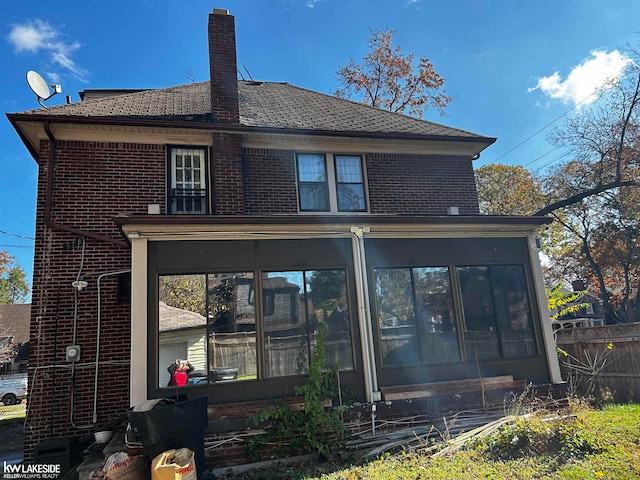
[585, 444]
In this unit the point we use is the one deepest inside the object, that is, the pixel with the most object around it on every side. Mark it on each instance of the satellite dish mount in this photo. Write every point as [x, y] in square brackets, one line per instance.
[40, 87]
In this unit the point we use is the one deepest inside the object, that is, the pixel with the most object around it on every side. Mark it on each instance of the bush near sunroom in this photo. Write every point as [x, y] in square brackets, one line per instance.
[316, 429]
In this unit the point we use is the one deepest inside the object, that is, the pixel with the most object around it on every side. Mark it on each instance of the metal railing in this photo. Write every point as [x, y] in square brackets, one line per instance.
[188, 200]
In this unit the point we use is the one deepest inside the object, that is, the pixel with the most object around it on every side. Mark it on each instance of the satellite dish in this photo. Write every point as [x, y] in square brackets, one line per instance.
[40, 87]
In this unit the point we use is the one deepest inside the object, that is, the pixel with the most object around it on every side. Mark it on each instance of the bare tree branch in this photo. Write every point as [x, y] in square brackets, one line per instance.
[576, 198]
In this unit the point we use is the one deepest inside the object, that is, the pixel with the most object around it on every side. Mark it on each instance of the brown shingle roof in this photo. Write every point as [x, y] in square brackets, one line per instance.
[173, 318]
[262, 104]
[14, 321]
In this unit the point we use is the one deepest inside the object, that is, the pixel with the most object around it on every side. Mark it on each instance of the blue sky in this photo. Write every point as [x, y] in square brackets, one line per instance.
[511, 67]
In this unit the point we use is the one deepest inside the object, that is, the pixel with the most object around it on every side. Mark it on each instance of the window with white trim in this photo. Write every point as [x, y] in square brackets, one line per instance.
[188, 181]
[330, 183]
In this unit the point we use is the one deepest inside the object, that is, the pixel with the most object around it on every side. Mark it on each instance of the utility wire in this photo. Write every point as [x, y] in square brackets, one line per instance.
[562, 155]
[541, 156]
[16, 235]
[16, 246]
[537, 132]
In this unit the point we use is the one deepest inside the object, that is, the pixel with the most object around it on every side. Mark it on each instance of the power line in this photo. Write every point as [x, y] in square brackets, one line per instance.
[562, 155]
[16, 235]
[538, 158]
[597, 90]
[17, 246]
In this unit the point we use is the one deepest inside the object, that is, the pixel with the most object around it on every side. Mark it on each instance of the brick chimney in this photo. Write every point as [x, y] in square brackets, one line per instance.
[223, 67]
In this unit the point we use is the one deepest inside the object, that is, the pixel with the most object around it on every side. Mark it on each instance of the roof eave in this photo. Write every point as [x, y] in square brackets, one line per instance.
[15, 118]
[33, 149]
[211, 220]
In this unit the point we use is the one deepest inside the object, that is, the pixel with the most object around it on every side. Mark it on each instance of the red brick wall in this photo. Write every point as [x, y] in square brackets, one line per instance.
[226, 175]
[397, 184]
[420, 184]
[94, 183]
[223, 68]
[270, 181]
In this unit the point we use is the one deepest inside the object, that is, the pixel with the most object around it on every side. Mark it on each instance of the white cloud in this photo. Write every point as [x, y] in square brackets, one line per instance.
[584, 79]
[36, 36]
[312, 3]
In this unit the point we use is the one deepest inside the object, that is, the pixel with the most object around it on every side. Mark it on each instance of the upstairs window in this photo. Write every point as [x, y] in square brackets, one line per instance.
[349, 183]
[188, 184]
[313, 186]
[330, 183]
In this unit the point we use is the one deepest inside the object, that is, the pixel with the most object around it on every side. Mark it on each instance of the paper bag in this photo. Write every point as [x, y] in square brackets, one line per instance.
[121, 466]
[177, 464]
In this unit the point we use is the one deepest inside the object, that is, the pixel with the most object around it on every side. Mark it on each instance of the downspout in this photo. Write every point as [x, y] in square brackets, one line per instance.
[48, 201]
[364, 316]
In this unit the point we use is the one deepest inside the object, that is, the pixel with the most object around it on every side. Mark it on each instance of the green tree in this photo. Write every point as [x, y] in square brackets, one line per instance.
[14, 287]
[387, 79]
[327, 288]
[187, 292]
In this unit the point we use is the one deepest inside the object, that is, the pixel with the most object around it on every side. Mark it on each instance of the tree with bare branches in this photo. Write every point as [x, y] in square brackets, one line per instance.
[595, 197]
[605, 145]
[387, 79]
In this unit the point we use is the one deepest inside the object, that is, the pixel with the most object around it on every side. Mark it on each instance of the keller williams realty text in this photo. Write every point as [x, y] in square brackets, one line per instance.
[30, 471]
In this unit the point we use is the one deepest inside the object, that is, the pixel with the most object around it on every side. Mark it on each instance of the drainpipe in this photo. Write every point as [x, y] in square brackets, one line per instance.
[48, 201]
[364, 317]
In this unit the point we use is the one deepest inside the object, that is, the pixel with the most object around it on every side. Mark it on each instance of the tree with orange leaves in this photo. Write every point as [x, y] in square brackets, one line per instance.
[387, 79]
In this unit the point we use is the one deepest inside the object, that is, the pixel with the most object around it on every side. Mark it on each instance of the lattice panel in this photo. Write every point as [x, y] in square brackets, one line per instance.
[572, 335]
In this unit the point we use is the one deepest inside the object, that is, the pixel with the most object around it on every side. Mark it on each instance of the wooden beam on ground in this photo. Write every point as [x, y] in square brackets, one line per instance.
[403, 392]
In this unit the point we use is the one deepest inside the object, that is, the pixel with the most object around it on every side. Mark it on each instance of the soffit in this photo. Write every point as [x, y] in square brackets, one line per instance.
[34, 131]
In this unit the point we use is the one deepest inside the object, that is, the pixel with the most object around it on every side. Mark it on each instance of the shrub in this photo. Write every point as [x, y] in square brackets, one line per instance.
[565, 439]
[316, 429]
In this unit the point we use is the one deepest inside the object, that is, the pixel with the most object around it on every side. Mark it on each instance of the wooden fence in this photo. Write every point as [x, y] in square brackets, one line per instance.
[607, 359]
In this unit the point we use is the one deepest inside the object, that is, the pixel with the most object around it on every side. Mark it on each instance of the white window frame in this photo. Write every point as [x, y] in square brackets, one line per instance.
[172, 181]
[332, 184]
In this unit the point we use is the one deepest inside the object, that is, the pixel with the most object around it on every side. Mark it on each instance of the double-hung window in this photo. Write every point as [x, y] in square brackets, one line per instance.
[330, 183]
[188, 181]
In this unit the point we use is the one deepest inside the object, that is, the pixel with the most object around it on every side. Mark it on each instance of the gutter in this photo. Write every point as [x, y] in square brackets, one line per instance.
[241, 128]
[427, 221]
[48, 201]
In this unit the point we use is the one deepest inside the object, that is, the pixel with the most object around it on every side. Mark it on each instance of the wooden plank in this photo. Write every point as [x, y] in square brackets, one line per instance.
[449, 388]
[449, 384]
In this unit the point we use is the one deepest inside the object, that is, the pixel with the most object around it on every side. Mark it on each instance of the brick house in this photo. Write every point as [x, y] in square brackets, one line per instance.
[224, 221]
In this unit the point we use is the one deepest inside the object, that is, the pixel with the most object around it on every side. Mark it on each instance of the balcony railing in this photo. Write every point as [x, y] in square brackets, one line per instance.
[192, 201]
